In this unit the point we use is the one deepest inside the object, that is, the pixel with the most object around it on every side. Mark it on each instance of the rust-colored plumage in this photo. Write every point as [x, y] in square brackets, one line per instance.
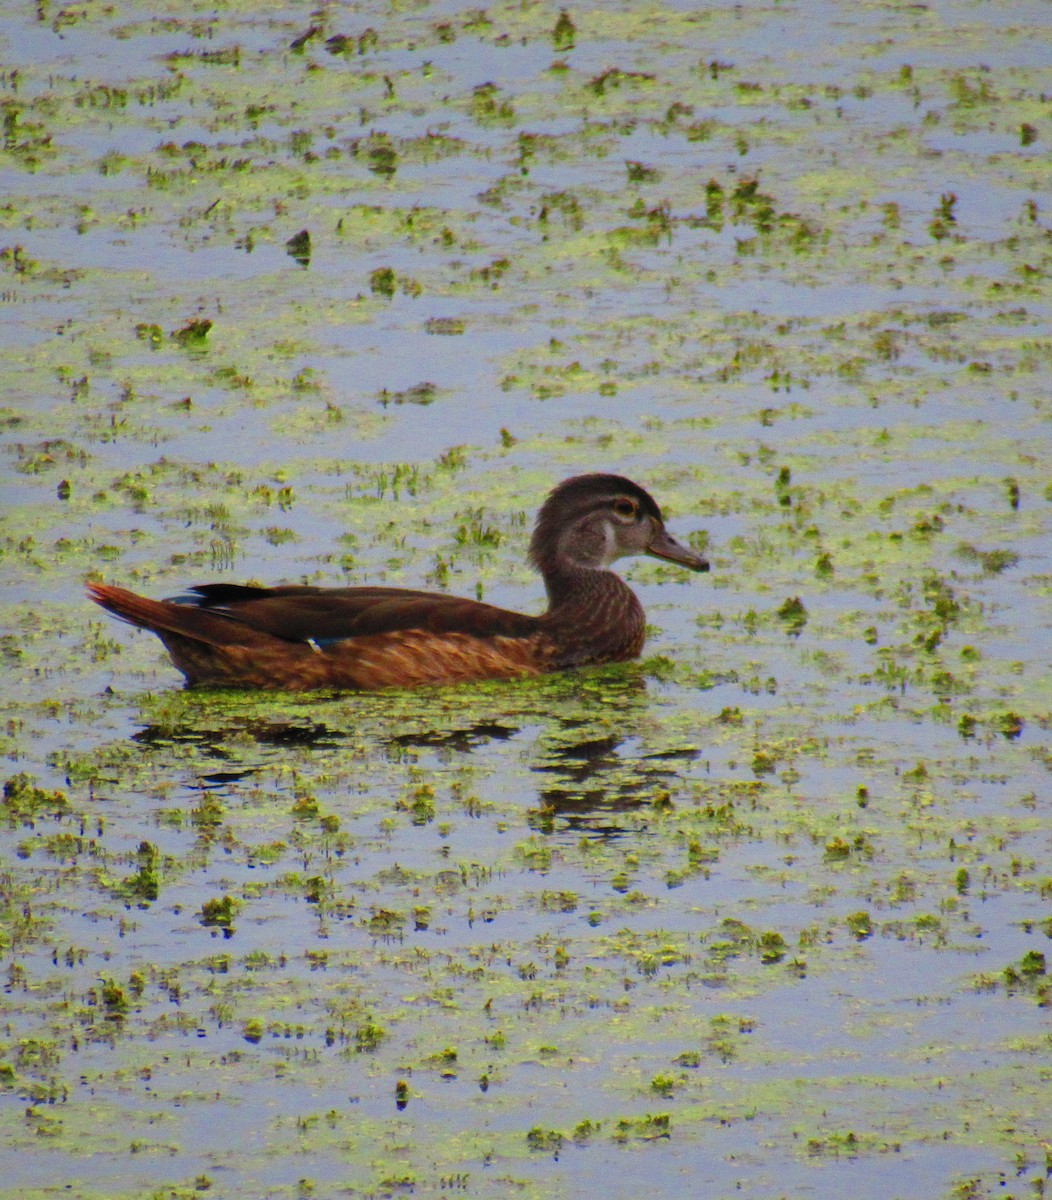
[298, 638]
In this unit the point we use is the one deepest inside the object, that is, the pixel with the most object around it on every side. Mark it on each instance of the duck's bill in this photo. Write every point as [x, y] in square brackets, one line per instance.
[665, 546]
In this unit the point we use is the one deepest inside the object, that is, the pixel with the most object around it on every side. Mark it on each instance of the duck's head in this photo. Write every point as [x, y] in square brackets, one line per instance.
[592, 520]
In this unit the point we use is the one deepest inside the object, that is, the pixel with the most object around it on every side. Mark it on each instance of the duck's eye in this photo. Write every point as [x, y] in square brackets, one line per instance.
[624, 508]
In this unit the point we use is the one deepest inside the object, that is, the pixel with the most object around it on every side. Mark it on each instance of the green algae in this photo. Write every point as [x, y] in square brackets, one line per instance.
[774, 899]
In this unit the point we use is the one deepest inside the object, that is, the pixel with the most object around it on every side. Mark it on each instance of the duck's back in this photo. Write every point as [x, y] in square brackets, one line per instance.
[298, 638]
[332, 614]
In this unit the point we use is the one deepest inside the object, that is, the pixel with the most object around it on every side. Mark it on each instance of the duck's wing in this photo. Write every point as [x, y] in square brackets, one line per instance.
[324, 615]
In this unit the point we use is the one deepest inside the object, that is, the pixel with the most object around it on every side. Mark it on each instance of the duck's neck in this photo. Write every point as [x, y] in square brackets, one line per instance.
[593, 615]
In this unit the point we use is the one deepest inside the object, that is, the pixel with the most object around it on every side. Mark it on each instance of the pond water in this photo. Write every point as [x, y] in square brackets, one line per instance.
[767, 913]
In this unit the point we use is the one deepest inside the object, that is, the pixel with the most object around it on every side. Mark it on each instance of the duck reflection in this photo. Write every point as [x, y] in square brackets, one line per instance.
[583, 742]
[597, 777]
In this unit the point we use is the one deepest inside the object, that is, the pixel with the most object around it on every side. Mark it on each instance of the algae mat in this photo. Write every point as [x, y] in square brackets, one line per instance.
[335, 295]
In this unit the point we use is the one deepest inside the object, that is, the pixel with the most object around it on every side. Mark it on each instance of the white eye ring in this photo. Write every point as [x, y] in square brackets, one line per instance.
[624, 507]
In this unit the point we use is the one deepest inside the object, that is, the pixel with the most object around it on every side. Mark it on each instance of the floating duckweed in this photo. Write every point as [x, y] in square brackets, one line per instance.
[298, 247]
[192, 335]
[549, 1141]
[564, 33]
[518, 254]
[368, 1036]
[219, 912]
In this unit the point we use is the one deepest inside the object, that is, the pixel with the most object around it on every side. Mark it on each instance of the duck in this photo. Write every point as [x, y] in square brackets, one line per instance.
[299, 638]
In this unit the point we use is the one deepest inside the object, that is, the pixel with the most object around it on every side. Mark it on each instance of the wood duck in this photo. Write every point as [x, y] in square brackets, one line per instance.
[298, 638]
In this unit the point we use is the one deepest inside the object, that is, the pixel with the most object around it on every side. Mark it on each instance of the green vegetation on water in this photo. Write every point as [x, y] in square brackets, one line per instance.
[335, 296]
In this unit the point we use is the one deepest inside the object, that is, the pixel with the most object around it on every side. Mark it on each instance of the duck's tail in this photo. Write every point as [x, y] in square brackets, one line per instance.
[166, 616]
